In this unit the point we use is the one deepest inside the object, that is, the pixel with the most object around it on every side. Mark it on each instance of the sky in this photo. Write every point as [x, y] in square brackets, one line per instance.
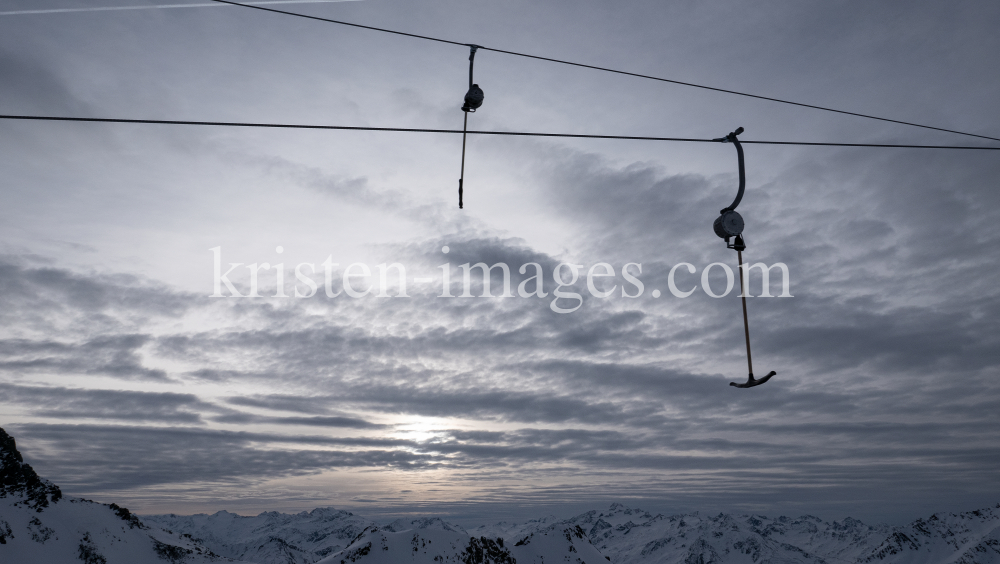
[123, 379]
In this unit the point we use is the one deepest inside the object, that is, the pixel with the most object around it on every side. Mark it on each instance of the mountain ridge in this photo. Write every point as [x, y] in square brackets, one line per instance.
[627, 535]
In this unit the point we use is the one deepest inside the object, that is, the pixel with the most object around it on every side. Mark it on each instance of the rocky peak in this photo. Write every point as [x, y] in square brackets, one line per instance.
[18, 479]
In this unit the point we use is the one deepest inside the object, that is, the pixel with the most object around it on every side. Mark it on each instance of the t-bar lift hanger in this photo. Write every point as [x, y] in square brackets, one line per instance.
[473, 100]
[730, 224]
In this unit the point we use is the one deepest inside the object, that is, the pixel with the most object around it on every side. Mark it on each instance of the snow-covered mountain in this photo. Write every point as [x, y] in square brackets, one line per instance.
[39, 525]
[270, 537]
[628, 536]
[620, 534]
[972, 537]
[432, 541]
[632, 536]
[330, 536]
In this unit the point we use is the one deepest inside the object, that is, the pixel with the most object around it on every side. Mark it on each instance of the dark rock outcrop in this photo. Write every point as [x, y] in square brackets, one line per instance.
[18, 479]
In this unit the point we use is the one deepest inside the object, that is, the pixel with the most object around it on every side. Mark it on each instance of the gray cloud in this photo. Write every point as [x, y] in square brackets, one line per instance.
[114, 355]
[70, 403]
[299, 404]
[319, 421]
[78, 455]
[35, 87]
[50, 289]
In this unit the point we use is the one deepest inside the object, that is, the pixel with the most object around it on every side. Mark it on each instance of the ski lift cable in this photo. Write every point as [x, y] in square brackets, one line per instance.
[605, 69]
[476, 132]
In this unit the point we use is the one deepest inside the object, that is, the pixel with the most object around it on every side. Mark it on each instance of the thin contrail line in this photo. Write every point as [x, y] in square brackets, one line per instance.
[161, 6]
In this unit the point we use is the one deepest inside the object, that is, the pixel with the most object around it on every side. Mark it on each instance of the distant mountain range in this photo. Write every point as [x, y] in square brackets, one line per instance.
[39, 525]
[619, 534]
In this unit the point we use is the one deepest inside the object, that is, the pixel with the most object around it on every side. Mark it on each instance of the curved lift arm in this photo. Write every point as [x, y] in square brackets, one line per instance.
[731, 138]
[472, 61]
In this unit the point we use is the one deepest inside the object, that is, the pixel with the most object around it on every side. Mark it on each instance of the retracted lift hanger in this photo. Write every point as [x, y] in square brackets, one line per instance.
[473, 100]
[728, 225]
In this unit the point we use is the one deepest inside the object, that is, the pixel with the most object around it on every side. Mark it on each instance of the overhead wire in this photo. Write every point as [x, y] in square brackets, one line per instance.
[605, 69]
[476, 132]
[154, 7]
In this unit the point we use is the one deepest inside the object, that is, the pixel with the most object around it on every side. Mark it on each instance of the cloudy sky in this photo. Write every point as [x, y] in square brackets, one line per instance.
[123, 380]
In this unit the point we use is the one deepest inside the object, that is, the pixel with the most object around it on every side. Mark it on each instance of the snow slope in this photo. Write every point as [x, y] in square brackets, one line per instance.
[77, 530]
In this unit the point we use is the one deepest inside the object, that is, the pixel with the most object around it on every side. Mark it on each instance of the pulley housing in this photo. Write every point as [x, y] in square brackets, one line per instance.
[473, 98]
[729, 224]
